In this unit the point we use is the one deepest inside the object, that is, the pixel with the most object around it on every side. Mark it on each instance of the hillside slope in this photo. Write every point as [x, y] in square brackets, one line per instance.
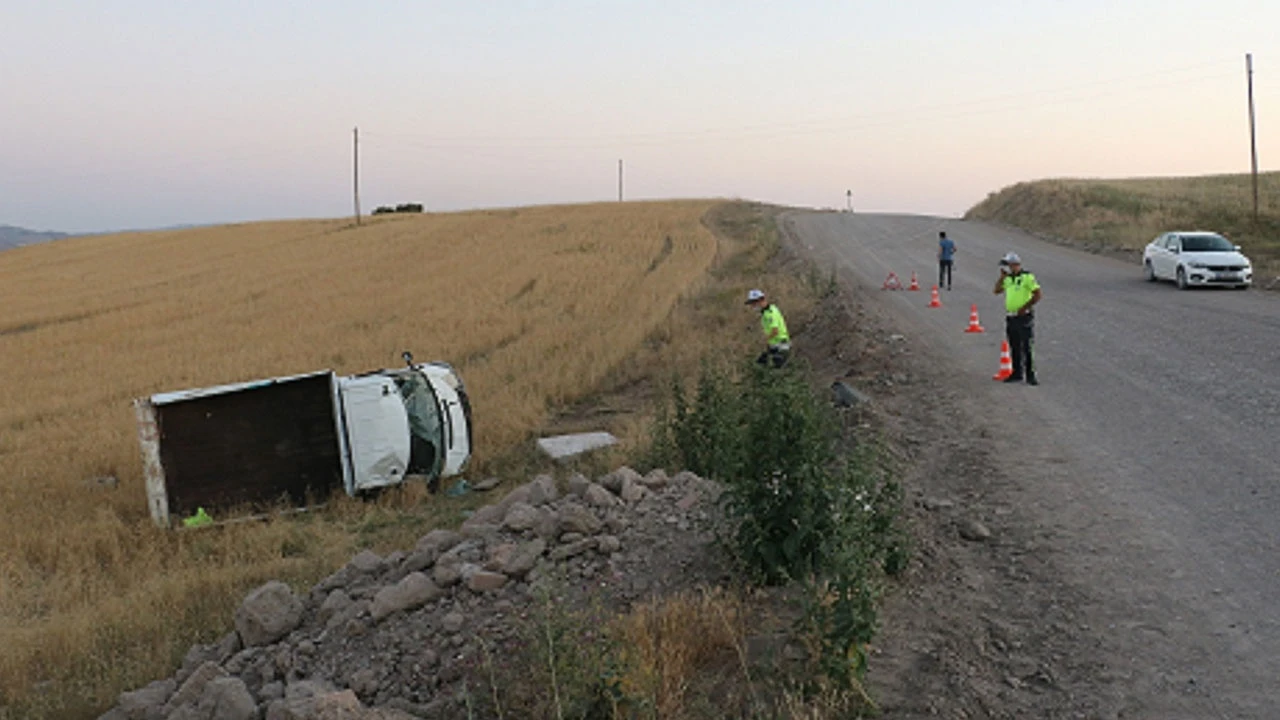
[1128, 213]
[12, 237]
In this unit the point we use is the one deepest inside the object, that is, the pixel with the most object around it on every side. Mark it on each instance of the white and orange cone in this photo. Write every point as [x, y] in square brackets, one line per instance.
[915, 284]
[1006, 363]
[974, 326]
[935, 301]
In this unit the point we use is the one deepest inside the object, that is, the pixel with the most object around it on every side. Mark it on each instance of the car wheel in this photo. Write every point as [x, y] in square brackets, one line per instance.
[1182, 279]
[1148, 271]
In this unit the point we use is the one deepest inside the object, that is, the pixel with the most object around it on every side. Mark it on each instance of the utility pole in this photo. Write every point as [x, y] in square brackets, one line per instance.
[619, 181]
[355, 171]
[1253, 134]
[848, 194]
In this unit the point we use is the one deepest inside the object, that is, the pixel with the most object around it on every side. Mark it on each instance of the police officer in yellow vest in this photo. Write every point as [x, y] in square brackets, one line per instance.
[1021, 293]
[775, 330]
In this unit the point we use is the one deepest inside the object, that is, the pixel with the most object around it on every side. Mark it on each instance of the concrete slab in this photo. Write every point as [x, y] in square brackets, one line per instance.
[564, 446]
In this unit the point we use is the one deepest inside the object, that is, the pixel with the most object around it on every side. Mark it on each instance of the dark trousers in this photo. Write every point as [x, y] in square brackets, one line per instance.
[944, 271]
[775, 356]
[1020, 329]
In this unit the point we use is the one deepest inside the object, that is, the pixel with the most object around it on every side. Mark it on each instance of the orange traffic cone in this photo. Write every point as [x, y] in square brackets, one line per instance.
[974, 327]
[915, 284]
[892, 282]
[1006, 362]
[934, 301]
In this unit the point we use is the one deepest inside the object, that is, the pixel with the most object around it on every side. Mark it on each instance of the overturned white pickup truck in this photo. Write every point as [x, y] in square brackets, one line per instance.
[251, 446]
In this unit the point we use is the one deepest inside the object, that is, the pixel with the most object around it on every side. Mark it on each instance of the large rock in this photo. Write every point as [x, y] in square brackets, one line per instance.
[974, 530]
[366, 562]
[656, 479]
[430, 547]
[487, 515]
[448, 570]
[578, 484]
[632, 491]
[684, 477]
[522, 560]
[573, 549]
[499, 556]
[147, 703]
[335, 603]
[600, 497]
[191, 690]
[575, 518]
[548, 486]
[608, 544]
[268, 614]
[299, 701]
[614, 481]
[539, 491]
[415, 590]
[485, 581]
[439, 541]
[521, 516]
[224, 698]
[315, 701]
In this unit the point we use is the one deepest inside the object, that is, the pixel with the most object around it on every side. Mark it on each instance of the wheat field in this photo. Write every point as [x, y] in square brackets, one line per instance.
[534, 306]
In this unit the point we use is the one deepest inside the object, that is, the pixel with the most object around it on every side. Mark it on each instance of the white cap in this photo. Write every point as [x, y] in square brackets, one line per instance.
[754, 295]
[1012, 258]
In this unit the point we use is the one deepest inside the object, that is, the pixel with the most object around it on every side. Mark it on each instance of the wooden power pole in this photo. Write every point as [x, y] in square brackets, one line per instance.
[619, 181]
[1253, 134]
[355, 169]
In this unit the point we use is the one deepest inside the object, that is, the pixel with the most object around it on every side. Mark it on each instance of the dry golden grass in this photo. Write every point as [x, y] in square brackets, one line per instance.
[534, 306]
[1128, 213]
[668, 645]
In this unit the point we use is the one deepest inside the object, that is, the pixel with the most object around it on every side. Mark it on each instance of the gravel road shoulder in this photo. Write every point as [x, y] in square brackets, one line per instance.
[983, 624]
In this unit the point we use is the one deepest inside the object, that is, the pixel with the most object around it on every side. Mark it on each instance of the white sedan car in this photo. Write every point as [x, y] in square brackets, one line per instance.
[1196, 258]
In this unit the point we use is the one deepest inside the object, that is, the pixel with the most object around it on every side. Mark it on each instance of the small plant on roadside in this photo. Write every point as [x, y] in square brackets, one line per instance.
[564, 666]
[798, 511]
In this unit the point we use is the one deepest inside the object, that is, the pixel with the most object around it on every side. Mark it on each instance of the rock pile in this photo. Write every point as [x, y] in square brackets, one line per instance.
[393, 637]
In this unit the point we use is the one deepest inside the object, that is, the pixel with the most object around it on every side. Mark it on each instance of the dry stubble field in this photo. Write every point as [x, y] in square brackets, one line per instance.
[535, 306]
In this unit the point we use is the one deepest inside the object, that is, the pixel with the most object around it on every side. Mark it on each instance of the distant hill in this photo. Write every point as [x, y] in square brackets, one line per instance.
[1128, 213]
[12, 237]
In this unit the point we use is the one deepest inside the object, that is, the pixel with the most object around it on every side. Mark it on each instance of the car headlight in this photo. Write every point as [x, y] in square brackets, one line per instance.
[1197, 265]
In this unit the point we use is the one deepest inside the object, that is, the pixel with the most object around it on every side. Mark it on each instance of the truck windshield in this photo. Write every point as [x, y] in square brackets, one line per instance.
[425, 428]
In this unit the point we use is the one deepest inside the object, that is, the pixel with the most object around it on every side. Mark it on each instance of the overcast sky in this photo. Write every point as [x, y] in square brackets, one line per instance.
[138, 113]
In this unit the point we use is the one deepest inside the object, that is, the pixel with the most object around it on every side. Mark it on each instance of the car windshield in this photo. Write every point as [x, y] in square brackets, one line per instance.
[426, 431]
[1206, 243]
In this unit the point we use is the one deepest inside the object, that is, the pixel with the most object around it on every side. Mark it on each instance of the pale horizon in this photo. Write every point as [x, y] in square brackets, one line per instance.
[152, 114]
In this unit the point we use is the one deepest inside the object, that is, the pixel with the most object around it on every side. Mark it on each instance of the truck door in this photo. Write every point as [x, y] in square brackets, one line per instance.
[377, 431]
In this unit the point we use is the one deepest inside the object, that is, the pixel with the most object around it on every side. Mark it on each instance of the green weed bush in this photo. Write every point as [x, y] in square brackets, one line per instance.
[798, 511]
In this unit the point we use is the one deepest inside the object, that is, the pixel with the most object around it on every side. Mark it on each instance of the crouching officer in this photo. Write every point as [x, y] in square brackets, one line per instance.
[775, 330]
[1021, 293]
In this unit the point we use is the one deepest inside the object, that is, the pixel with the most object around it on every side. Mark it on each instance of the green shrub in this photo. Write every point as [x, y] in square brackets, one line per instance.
[797, 510]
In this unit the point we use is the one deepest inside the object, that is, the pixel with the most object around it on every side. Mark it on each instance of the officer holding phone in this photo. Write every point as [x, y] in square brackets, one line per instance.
[1021, 293]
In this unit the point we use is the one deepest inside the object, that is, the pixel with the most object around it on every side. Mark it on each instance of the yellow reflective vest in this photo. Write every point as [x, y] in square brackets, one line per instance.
[770, 318]
[1018, 290]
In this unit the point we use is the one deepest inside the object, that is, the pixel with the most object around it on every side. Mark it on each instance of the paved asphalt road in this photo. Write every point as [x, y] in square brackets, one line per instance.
[1153, 442]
